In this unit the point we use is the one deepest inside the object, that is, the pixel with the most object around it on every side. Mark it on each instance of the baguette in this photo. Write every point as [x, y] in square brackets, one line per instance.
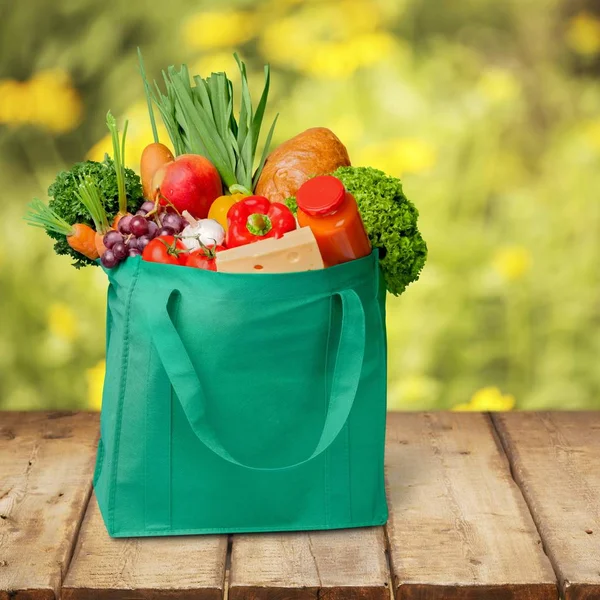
[316, 151]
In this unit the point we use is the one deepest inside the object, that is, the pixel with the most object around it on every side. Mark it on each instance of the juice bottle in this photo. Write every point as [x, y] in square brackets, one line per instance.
[331, 212]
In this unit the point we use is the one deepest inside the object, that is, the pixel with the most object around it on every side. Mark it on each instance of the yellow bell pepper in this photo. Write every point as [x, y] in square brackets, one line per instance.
[220, 207]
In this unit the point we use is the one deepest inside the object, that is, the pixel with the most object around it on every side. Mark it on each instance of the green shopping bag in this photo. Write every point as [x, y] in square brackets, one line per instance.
[239, 403]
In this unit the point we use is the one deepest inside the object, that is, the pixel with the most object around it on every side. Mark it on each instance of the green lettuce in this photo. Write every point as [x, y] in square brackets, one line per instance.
[292, 204]
[391, 223]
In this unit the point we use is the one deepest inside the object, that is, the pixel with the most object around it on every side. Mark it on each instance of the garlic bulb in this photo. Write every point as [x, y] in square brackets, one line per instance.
[207, 232]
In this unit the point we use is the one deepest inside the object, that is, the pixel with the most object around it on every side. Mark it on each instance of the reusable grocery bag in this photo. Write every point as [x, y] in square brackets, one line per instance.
[242, 402]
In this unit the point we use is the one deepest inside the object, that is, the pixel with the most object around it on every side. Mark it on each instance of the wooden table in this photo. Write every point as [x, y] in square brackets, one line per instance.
[490, 507]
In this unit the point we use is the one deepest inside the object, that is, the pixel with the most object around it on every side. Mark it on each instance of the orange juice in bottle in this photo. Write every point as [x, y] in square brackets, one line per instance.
[331, 212]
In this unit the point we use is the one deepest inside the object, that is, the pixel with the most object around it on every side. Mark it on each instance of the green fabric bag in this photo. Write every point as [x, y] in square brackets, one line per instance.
[239, 403]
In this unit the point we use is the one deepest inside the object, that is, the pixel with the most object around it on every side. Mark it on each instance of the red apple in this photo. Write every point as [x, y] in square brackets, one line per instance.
[190, 182]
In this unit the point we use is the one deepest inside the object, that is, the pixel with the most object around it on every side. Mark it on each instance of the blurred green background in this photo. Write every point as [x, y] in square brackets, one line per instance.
[489, 111]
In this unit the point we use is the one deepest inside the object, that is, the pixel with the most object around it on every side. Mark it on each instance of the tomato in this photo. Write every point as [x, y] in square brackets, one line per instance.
[165, 249]
[204, 258]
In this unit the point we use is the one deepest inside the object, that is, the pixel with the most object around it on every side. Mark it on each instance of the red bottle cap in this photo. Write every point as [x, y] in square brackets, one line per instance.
[320, 195]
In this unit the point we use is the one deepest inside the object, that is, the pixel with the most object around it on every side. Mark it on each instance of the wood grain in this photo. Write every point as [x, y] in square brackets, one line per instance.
[555, 459]
[183, 568]
[46, 466]
[459, 527]
[348, 564]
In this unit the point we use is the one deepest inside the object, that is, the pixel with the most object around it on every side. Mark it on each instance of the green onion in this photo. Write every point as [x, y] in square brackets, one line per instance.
[89, 195]
[199, 118]
[41, 215]
[118, 159]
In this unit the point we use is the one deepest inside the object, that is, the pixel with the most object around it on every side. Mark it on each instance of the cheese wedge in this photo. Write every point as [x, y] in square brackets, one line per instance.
[295, 251]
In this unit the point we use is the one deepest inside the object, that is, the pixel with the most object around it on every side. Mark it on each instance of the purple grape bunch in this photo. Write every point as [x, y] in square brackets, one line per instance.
[135, 232]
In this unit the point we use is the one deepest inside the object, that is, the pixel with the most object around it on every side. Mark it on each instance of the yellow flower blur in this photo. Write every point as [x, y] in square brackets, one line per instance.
[413, 392]
[62, 321]
[348, 127]
[215, 62]
[512, 262]
[328, 39]
[47, 100]
[95, 383]
[498, 85]
[583, 34]
[209, 30]
[340, 59]
[399, 156]
[487, 399]
[591, 133]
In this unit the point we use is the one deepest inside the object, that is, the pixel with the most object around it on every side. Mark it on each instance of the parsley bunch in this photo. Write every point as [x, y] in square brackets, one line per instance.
[65, 202]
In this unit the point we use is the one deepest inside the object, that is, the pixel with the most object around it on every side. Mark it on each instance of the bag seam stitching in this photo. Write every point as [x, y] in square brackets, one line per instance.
[327, 454]
[100, 461]
[119, 421]
[146, 440]
[172, 399]
[316, 527]
[101, 451]
[348, 466]
[383, 382]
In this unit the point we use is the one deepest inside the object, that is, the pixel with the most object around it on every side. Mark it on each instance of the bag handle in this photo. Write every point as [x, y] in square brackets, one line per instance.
[187, 386]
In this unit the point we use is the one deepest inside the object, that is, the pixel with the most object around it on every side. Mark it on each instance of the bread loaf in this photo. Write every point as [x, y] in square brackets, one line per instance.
[316, 151]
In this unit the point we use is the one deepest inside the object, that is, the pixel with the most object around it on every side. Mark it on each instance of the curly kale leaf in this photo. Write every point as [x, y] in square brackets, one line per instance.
[65, 203]
[292, 204]
[391, 223]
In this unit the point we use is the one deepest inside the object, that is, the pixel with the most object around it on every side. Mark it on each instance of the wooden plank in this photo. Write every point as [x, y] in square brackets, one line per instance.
[344, 564]
[184, 567]
[459, 527]
[46, 466]
[555, 458]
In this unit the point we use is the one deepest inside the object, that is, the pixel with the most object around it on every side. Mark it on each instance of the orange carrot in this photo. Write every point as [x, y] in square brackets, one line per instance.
[155, 155]
[81, 237]
[89, 195]
[83, 240]
[99, 243]
[153, 158]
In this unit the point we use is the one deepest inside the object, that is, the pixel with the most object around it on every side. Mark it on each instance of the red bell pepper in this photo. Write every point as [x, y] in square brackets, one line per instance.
[256, 218]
